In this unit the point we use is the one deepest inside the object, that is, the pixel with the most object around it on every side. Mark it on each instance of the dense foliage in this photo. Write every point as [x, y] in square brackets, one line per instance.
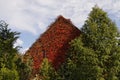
[100, 34]
[7, 53]
[95, 55]
[47, 72]
[24, 69]
[8, 74]
[11, 65]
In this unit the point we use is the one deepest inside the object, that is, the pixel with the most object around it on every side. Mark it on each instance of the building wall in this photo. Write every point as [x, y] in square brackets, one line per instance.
[53, 43]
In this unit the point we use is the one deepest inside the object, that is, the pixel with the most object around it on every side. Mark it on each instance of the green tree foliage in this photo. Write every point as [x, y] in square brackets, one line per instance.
[24, 69]
[67, 70]
[81, 64]
[7, 53]
[100, 34]
[7, 49]
[7, 38]
[8, 74]
[95, 55]
[11, 65]
[47, 72]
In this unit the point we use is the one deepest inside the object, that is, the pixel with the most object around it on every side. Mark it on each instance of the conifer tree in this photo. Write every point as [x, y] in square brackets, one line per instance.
[7, 40]
[100, 34]
[7, 53]
[96, 53]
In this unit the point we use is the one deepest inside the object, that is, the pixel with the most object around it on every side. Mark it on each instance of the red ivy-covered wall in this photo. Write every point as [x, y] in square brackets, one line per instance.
[53, 43]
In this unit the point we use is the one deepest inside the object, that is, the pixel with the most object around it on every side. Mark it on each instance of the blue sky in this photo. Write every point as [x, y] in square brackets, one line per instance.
[32, 17]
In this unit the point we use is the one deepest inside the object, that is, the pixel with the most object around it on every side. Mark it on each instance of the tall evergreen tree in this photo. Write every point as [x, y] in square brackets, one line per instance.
[96, 53]
[7, 40]
[7, 53]
[100, 34]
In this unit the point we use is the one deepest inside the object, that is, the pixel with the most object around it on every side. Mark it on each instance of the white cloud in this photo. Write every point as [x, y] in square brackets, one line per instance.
[18, 43]
[36, 15]
[22, 51]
